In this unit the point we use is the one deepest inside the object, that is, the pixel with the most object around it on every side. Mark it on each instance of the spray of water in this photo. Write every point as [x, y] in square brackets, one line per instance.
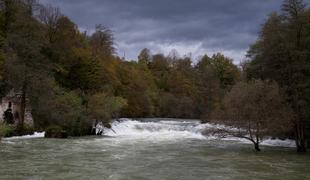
[175, 129]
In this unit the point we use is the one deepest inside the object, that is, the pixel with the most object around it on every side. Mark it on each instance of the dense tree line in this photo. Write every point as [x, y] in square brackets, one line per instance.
[282, 54]
[71, 79]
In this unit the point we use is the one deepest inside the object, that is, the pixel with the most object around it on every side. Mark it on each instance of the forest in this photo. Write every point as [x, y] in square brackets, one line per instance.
[70, 78]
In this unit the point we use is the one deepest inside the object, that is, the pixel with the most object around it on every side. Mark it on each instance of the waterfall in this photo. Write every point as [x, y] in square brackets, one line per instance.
[174, 129]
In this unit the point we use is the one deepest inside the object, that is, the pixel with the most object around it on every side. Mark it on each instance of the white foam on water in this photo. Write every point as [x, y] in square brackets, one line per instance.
[161, 130]
[279, 142]
[167, 130]
[35, 135]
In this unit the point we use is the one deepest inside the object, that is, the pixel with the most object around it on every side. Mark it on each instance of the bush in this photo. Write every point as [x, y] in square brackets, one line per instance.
[79, 127]
[26, 129]
[6, 130]
[104, 107]
[11, 130]
[55, 132]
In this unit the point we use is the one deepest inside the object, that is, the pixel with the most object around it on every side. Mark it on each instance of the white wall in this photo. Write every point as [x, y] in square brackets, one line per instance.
[3, 107]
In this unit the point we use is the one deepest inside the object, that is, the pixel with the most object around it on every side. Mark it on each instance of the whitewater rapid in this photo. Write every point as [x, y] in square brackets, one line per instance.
[174, 130]
[168, 130]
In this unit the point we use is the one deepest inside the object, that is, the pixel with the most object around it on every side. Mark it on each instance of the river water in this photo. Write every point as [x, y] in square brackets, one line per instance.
[150, 149]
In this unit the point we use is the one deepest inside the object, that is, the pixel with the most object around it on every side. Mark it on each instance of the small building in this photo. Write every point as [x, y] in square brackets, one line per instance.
[15, 100]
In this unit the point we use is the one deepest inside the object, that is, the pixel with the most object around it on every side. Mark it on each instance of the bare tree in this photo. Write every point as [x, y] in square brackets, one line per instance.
[49, 16]
[255, 110]
[102, 42]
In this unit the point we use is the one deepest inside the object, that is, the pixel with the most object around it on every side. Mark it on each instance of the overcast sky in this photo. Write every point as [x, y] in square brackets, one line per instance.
[189, 26]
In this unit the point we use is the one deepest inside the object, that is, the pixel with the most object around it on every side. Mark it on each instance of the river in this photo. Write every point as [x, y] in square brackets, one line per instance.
[156, 149]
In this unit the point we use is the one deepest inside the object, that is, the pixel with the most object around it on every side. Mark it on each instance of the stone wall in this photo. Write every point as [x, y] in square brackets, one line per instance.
[15, 109]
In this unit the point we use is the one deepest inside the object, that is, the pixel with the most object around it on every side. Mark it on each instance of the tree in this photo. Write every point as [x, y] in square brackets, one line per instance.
[2, 56]
[104, 107]
[145, 56]
[227, 72]
[24, 41]
[209, 91]
[282, 54]
[102, 42]
[256, 109]
[56, 107]
[85, 72]
[137, 87]
[50, 16]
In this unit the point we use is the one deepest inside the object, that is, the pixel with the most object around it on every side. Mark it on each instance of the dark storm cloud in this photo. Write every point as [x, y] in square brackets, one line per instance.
[197, 26]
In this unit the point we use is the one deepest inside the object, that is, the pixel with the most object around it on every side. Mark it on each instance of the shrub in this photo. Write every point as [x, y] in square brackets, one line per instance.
[55, 132]
[6, 130]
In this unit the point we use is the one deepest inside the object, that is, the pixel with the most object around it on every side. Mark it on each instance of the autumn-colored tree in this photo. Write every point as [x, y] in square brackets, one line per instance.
[102, 42]
[137, 89]
[282, 54]
[145, 57]
[256, 109]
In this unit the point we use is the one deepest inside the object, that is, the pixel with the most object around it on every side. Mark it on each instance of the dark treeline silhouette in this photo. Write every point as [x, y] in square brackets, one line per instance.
[282, 54]
[71, 79]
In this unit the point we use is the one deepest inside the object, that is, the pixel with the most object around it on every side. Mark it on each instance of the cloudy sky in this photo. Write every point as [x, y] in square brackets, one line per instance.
[189, 26]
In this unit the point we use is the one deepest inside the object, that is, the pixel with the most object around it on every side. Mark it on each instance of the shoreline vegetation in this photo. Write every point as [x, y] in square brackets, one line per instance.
[70, 80]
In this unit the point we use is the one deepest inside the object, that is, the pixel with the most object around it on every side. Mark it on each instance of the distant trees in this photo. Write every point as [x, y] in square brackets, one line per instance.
[256, 109]
[70, 78]
[227, 72]
[217, 74]
[282, 54]
[145, 56]
[101, 42]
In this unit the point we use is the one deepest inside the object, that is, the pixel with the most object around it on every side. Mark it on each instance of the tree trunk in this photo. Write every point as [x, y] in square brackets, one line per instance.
[300, 138]
[22, 108]
[256, 146]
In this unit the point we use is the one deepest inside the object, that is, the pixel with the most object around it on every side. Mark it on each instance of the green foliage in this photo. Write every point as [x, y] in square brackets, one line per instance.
[6, 130]
[58, 108]
[227, 73]
[11, 130]
[85, 73]
[103, 107]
